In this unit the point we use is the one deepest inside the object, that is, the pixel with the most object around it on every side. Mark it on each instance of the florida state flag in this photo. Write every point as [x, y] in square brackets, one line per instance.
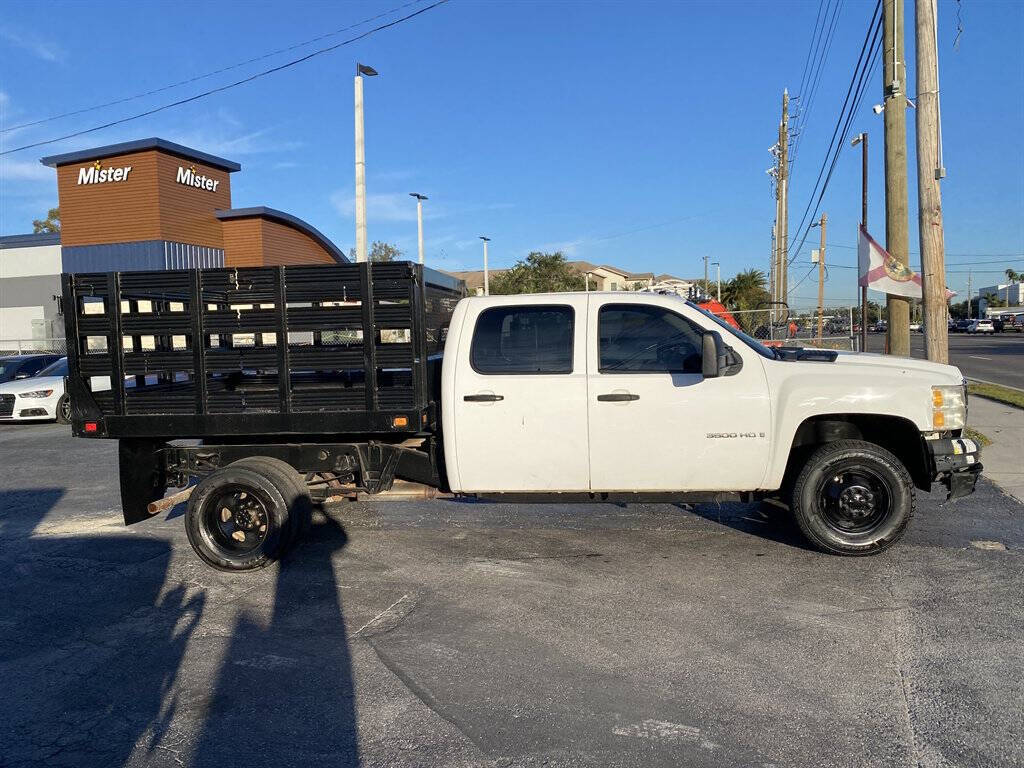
[879, 271]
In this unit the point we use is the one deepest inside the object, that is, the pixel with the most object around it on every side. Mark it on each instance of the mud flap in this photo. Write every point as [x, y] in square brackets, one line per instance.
[143, 477]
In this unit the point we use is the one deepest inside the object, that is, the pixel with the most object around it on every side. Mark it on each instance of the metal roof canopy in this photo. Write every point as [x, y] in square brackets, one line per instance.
[140, 145]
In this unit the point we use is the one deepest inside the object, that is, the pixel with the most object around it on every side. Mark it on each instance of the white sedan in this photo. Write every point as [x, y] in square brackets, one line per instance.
[38, 397]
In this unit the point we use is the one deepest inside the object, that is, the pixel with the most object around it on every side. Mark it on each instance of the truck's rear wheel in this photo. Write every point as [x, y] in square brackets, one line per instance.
[292, 487]
[853, 498]
[237, 519]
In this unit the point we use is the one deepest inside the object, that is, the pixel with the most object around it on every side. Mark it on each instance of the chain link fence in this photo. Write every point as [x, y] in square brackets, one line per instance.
[29, 346]
[782, 326]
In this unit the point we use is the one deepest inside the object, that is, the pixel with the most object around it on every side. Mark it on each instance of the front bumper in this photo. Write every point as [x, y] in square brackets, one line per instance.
[956, 463]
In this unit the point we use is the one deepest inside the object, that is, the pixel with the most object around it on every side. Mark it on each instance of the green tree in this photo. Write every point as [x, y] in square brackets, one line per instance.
[538, 273]
[50, 224]
[380, 251]
[1013, 276]
[747, 290]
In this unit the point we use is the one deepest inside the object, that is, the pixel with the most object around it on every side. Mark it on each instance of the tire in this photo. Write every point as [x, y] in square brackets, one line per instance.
[64, 410]
[255, 510]
[292, 487]
[853, 498]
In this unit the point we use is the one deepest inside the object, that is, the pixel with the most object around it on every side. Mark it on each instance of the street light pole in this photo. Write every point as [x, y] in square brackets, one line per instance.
[419, 220]
[718, 278]
[361, 69]
[862, 139]
[487, 287]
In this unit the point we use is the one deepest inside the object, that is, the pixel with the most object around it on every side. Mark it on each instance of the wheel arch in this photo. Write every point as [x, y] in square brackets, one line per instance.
[898, 435]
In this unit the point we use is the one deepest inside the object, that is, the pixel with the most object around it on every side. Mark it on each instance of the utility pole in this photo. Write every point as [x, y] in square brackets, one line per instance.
[487, 285]
[771, 268]
[896, 223]
[706, 275]
[970, 312]
[361, 69]
[419, 220]
[718, 280]
[782, 236]
[862, 139]
[929, 196]
[821, 277]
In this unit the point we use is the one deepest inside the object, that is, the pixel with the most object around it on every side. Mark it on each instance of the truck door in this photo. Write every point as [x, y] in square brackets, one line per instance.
[520, 397]
[655, 423]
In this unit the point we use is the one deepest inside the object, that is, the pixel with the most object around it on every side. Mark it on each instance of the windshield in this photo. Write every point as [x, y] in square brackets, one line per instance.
[59, 368]
[750, 341]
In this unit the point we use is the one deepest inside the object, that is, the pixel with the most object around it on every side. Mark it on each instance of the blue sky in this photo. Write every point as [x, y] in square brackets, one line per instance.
[634, 134]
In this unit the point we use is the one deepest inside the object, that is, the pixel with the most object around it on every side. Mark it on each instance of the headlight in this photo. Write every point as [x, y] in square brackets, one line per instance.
[949, 407]
[37, 393]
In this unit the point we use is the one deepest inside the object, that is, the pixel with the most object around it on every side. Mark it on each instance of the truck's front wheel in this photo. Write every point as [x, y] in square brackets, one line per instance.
[853, 498]
[237, 519]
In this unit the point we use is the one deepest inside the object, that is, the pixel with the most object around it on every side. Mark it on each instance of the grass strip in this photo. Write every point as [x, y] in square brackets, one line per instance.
[981, 439]
[1007, 395]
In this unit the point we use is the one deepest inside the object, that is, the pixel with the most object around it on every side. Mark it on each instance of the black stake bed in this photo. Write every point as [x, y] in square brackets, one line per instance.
[302, 350]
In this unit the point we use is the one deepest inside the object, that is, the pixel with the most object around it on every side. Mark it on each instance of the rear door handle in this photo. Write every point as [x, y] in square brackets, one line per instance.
[617, 397]
[482, 398]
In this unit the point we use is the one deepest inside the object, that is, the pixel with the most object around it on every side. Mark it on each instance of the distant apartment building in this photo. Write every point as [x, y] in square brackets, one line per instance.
[598, 277]
[1011, 293]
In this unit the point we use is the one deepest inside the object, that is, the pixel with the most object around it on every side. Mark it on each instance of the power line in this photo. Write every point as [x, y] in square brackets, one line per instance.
[222, 70]
[806, 103]
[856, 89]
[212, 91]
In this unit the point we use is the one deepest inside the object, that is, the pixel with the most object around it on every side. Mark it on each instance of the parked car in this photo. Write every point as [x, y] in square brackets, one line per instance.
[23, 366]
[879, 327]
[983, 325]
[37, 398]
[915, 327]
[962, 326]
[1014, 324]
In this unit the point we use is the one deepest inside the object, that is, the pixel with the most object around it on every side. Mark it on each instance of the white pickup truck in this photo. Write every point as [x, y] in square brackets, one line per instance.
[584, 396]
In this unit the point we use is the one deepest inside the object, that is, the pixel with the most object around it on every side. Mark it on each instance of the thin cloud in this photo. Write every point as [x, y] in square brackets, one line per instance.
[26, 171]
[26, 41]
[390, 206]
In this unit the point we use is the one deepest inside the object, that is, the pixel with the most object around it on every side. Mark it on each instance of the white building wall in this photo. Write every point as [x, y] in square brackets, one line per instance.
[16, 322]
[30, 261]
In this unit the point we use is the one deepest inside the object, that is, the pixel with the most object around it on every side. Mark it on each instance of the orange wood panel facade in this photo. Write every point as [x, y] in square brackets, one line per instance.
[148, 204]
[186, 212]
[243, 242]
[261, 242]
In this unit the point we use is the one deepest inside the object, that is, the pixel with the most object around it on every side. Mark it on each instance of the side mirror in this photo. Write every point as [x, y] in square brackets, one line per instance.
[712, 351]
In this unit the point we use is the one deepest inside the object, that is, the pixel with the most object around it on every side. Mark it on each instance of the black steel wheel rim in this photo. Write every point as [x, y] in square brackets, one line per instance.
[237, 519]
[854, 499]
[65, 408]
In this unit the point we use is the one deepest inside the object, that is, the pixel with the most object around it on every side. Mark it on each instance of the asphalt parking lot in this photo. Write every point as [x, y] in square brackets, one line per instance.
[450, 633]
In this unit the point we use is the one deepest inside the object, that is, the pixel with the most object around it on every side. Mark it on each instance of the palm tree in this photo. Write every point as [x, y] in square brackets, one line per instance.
[1014, 276]
[746, 290]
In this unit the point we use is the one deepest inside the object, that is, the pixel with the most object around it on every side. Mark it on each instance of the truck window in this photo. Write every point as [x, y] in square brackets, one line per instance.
[643, 339]
[530, 339]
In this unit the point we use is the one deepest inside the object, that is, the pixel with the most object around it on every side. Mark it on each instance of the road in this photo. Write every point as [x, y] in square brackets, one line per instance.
[473, 634]
[996, 357]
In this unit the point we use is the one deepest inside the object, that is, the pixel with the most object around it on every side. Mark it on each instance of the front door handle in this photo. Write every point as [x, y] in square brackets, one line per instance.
[489, 398]
[617, 397]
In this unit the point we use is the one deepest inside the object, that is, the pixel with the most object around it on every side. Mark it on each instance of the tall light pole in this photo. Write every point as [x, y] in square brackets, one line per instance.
[419, 220]
[361, 69]
[862, 139]
[487, 286]
[718, 278]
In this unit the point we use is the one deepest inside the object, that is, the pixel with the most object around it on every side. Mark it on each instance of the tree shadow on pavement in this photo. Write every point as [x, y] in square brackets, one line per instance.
[285, 693]
[92, 635]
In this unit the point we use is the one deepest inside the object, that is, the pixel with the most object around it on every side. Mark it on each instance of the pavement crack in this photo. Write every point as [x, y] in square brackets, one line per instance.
[424, 696]
[905, 706]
